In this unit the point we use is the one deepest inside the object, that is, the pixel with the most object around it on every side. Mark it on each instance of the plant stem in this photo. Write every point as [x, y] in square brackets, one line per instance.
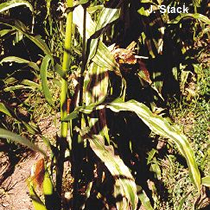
[65, 67]
[63, 101]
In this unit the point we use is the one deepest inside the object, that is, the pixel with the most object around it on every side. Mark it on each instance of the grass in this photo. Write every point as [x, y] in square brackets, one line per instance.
[193, 116]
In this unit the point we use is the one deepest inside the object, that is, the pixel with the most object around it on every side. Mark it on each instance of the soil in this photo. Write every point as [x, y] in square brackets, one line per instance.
[14, 191]
[15, 168]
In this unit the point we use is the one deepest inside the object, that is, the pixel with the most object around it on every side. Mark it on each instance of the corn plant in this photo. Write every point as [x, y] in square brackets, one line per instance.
[104, 120]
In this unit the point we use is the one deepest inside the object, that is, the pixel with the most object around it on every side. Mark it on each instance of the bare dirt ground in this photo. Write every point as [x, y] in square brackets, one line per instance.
[14, 170]
[13, 191]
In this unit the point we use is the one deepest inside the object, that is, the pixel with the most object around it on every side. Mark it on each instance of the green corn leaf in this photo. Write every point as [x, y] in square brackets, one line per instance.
[106, 17]
[196, 16]
[182, 201]
[99, 52]
[93, 90]
[47, 185]
[37, 203]
[19, 60]
[124, 186]
[17, 87]
[30, 83]
[162, 127]
[15, 3]
[30, 129]
[59, 70]
[39, 42]
[18, 139]
[21, 28]
[206, 181]
[78, 15]
[145, 200]
[4, 110]
[4, 32]
[104, 58]
[43, 74]
[158, 125]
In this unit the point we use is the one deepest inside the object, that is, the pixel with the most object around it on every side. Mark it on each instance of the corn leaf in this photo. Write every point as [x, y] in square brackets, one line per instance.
[78, 17]
[206, 181]
[30, 83]
[4, 32]
[106, 17]
[20, 27]
[18, 139]
[19, 60]
[105, 58]
[15, 3]
[124, 186]
[4, 110]
[37, 203]
[162, 127]
[99, 52]
[158, 125]
[43, 74]
[196, 16]
[17, 87]
[145, 200]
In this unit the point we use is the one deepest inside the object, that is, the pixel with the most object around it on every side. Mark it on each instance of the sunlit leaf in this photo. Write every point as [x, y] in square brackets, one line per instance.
[206, 181]
[15, 3]
[196, 16]
[162, 127]
[159, 126]
[19, 87]
[78, 17]
[106, 17]
[36, 201]
[19, 60]
[4, 109]
[5, 32]
[30, 83]
[124, 186]
[43, 73]
[18, 139]
[105, 58]
[145, 200]
[20, 27]
[99, 52]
